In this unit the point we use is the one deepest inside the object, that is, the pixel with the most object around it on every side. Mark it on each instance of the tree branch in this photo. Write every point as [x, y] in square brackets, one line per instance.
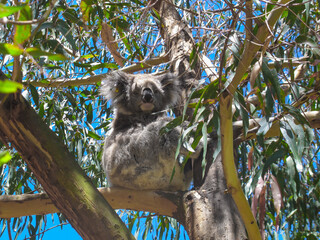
[230, 171]
[92, 80]
[313, 118]
[57, 171]
[162, 203]
[252, 46]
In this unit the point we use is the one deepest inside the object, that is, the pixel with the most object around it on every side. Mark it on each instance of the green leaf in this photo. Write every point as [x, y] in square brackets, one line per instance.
[11, 49]
[296, 114]
[294, 136]
[8, 86]
[23, 32]
[6, 11]
[314, 47]
[90, 113]
[174, 123]
[5, 157]
[66, 30]
[125, 40]
[104, 65]
[276, 156]
[34, 94]
[272, 77]
[86, 8]
[265, 125]
[72, 16]
[93, 135]
[36, 52]
[291, 172]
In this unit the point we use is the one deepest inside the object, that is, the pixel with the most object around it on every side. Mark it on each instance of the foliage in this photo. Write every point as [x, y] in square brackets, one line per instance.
[62, 40]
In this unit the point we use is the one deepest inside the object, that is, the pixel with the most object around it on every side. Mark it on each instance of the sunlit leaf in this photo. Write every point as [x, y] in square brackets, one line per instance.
[265, 126]
[23, 32]
[104, 65]
[5, 157]
[11, 49]
[291, 170]
[8, 86]
[6, 11]
[86, 8]
[36, 52]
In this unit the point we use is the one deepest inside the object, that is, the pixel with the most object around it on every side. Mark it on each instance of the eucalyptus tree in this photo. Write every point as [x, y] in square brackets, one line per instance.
[252, 99]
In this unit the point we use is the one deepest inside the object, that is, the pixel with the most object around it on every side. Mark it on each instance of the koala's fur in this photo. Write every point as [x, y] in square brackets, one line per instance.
[135, 155]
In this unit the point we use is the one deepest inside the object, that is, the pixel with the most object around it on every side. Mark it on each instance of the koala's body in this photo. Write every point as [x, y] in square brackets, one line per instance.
[136, 155]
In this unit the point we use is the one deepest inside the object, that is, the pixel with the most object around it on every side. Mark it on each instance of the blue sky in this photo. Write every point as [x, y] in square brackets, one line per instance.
[67, 232]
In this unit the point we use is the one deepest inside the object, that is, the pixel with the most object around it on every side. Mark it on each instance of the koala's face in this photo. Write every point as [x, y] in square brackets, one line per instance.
[145, 95]
[141, 93]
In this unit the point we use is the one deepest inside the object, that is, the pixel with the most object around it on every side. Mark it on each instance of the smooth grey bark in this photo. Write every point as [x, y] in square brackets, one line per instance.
[209, 211]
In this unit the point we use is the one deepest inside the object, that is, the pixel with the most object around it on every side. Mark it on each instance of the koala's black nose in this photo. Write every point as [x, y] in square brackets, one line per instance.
[147, 95]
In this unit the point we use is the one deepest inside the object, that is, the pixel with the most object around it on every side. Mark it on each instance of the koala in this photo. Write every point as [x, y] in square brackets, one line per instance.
[136, 155]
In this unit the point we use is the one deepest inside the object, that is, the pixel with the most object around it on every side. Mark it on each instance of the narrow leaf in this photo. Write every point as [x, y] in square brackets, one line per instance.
[257, 191]
[8, 86]
[296, 114]
[276, 194]
[262, 211]
[34, 94]
[250, 158]
[276, 156]
[277, 198]
[93, 135]
[36, 52]
[174, 123]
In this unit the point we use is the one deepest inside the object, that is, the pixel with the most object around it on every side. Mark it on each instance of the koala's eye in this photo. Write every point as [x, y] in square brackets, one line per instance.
[136, 92]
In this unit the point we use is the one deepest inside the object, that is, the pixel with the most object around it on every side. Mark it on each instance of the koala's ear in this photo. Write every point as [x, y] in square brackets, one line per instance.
[114, 85]
[171, 88]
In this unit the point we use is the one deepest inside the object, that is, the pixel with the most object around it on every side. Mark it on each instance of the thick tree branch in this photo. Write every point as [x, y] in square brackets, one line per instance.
[230, 171]
[162, 203]
[313, 118]
[59, 174]
[209, 212]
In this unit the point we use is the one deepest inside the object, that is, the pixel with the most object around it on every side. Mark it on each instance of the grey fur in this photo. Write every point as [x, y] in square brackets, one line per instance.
[135, 155]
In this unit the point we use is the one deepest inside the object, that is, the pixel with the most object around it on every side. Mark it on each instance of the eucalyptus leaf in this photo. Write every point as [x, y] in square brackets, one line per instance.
[5, 157]
[7, 86]
[6, 11]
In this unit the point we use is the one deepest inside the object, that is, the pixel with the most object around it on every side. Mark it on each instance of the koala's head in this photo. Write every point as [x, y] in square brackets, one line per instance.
[146, 93]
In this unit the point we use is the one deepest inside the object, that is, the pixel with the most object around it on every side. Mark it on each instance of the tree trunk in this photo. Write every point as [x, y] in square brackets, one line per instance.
[210, 212]
[55, 168]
